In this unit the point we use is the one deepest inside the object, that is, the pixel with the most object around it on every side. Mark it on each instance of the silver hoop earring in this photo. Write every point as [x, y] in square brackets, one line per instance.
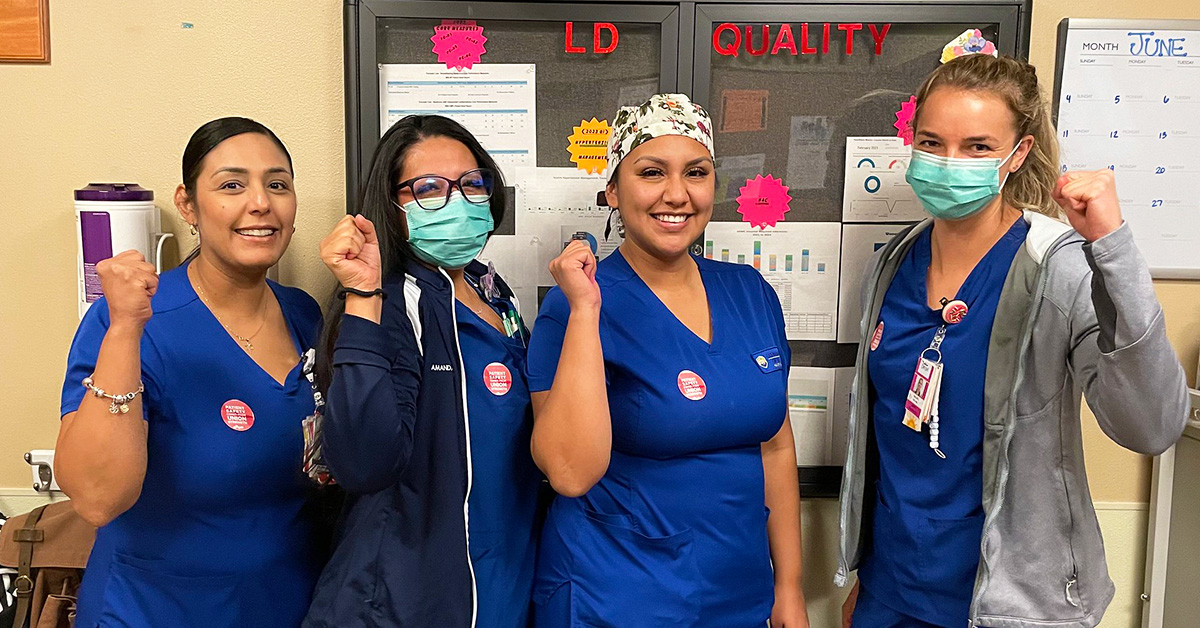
[620, 227]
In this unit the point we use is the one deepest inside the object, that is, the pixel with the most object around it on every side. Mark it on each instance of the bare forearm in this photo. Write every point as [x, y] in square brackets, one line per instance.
[100, 458]
[572, 433]
[783, 498]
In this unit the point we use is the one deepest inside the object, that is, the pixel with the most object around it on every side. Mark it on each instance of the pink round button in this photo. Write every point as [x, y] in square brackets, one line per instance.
[237, 415]
[497, 378]
[691, 385]
[954, 311]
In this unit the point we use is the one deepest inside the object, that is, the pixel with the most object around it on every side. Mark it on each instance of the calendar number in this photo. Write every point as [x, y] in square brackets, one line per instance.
[1162, 136]
[1068, 98]
[1156, 202]
[1160, 170]
[1166, 99]
[1113, 135]
[1117, 99]
[1065, 132]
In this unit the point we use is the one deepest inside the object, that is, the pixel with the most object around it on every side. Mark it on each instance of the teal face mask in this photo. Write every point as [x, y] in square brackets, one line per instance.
[452, 236]
[953, 188]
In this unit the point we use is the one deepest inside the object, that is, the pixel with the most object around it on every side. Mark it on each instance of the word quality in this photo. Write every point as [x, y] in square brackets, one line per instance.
[727, 38]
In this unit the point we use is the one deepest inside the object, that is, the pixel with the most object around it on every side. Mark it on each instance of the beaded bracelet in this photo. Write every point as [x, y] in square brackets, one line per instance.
[119, 403]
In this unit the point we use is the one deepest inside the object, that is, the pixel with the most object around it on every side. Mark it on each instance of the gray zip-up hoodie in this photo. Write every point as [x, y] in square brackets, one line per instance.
[1073, 317]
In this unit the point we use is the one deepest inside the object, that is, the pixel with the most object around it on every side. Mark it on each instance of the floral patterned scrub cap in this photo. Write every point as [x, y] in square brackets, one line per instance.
[663, 114]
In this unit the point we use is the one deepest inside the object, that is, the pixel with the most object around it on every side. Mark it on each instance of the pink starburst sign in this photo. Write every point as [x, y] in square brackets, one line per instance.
[458, 43]
[904, 120]
[763, 201]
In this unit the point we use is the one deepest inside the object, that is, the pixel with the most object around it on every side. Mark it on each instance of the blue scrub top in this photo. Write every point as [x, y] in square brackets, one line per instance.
[675, 532]
[505, 483]
[928, 514]
[219, 535]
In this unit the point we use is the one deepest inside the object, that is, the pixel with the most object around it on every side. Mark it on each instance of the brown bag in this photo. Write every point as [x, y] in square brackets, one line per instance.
[49, 547]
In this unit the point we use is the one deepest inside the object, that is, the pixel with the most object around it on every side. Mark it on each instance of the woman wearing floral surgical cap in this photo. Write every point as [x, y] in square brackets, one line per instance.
[659, 384]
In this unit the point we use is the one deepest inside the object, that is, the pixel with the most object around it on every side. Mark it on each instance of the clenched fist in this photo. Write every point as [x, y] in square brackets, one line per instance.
[1090, 201]
[128, 281]
[351, 251]
[574, 271]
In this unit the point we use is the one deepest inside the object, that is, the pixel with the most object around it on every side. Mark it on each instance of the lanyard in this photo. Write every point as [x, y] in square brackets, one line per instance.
[490, 294]
[922, 404]
[934, 415]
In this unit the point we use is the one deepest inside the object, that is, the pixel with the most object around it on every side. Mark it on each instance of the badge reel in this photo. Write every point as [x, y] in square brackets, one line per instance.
[924, 394]
[314, 461]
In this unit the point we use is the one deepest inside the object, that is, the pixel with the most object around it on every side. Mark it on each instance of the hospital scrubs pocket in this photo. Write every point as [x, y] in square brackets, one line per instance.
[139, 593]
[621, 577]
[961, 537]
[901, 563]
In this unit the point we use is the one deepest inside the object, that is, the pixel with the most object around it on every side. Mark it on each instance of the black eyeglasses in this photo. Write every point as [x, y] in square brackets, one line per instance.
[433, 192]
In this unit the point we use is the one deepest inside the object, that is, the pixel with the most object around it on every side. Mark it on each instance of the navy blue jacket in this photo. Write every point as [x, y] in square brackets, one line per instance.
[396, 439]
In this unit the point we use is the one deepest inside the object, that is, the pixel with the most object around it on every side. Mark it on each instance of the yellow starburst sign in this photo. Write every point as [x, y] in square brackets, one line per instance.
[589, 145]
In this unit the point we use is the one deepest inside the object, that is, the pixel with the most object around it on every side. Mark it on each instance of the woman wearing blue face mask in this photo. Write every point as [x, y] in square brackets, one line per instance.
[428, 421]
[965, 497]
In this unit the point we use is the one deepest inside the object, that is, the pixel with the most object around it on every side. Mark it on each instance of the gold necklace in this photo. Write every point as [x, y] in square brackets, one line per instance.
[245, 341]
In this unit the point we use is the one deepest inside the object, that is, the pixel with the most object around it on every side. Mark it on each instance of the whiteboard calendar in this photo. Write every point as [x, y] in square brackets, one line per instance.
[1127, 98]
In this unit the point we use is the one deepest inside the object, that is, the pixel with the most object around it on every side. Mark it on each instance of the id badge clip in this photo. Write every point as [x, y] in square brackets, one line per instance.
[927, 378]
[924, 394]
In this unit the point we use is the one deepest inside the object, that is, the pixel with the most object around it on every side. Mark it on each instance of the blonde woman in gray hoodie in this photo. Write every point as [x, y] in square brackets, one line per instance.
[965, 499]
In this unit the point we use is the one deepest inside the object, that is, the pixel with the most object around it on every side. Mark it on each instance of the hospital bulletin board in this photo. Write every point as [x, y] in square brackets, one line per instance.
[810, 128]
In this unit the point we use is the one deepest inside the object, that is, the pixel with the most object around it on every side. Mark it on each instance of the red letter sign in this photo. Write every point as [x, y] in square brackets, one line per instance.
[596, 28]
[570, 48]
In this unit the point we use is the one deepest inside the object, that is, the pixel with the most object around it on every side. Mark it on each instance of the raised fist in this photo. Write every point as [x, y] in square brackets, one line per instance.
[574, 271]
[351, 251]
[1090, 201]
[128, 281]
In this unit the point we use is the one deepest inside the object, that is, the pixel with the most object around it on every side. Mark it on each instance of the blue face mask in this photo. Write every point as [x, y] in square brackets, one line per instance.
[952, 188]
[452, 236]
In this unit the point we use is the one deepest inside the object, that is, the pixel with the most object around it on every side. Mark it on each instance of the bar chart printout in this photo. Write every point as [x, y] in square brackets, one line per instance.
[798, 259]
[819, 407]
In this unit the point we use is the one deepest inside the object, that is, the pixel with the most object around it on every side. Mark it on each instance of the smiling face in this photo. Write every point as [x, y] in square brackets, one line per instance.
[244, 203]
[969, 125]
[664, 189]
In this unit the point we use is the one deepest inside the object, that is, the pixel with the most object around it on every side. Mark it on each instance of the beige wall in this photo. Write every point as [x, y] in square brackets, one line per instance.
[127, 87]
[1116, 474]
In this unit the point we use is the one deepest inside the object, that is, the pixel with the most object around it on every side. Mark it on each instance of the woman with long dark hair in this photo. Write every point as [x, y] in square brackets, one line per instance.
[182, 407]
[428, 420]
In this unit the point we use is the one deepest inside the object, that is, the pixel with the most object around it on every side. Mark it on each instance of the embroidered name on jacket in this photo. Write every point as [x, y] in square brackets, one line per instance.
[441, 367]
